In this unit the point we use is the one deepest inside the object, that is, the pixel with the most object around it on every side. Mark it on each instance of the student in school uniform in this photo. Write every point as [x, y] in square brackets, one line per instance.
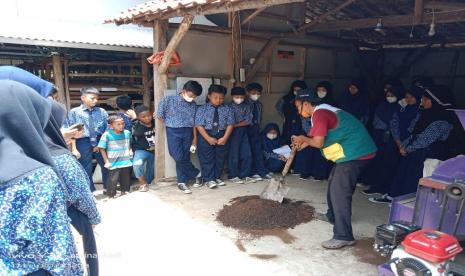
[240, 155]
[215, 123]
[124, 104]
[94, 120]
[177, 112]
[259, 171]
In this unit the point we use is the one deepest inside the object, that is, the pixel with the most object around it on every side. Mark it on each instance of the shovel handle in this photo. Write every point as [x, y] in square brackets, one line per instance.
[289, 161]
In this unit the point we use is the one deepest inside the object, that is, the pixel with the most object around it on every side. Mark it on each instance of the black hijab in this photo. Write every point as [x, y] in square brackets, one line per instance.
[437, 112]
[329, 99]
[24, 115]
[55, 141]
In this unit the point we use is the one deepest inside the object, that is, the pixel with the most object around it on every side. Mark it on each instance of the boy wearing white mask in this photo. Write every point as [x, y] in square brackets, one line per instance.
[259, 171]
[177, 112]
[240, 155]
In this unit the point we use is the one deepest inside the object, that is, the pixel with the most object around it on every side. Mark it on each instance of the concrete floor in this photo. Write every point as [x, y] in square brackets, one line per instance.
[165, 232]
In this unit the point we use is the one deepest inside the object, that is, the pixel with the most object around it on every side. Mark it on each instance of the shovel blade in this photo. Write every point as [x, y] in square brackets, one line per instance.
[275, 190]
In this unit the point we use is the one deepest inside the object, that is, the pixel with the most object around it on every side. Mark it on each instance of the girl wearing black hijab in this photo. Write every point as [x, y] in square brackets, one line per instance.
[292, 123]
[355, 101]
[32, 196]
[429, 133]
[270, 141]
[324, 90]
[82, 209]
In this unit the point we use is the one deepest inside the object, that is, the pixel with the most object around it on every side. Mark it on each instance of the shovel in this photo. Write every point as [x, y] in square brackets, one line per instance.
[276, 190]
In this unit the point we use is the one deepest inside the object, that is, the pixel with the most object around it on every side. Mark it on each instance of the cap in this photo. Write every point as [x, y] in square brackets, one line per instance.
[307, 95]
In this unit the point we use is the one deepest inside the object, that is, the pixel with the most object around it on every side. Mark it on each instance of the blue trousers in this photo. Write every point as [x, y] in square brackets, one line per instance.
[274, 165]
[212, 158]
[84, 147]
[81, 223]
[240, 156]
[258, 165]
[143, 164]
[179, 143]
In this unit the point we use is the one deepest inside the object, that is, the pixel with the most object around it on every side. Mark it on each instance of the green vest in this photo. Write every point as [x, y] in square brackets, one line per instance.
[348, 141]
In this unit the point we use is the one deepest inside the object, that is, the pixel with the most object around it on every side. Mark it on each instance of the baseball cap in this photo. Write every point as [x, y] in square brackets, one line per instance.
[308, 94]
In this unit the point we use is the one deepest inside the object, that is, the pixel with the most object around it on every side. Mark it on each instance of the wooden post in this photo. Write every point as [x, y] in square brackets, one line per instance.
[160, 84]
[269, 76]
[252, 16]
[66, 75]
[418, 11]
[174, 42]
[237, 47]
[303, 62]
[58, 77]
[145, 79]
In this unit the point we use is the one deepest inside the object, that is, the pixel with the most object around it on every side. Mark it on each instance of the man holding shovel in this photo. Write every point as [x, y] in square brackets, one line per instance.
[344, 140]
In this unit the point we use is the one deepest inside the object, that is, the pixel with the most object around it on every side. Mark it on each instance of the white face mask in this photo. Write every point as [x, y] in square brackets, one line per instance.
[254, 97]
[321, 94]
[391, 99]
[272, 136]
[187, 98]
[238, 100]
[295, 92]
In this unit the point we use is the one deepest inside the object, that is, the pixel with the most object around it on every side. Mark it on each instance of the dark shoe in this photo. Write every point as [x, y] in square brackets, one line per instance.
[370, 192]
[385, 199]
[305, 177]
[336, 244]
[198, 181]
[323, 217]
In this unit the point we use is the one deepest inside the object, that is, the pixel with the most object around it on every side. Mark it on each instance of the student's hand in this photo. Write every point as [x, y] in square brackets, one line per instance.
[222, 141]
[131, 114]
[107, 165]
[70, 133]
[95, 149]
[193, 148]
[76, 154]
[403, 152]
[282, 158]
[212, 141]
[399, 144]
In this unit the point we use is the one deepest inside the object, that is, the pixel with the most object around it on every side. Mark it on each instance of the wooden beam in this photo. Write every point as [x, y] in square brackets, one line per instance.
[58, 77]
[145, 79]
[174, 42]
[418, 11]
[252, 16]
[262, 56]
[102, 75]
[324, 16]
[388, 21]
[444, 6]
[222, 7]
[160, 84]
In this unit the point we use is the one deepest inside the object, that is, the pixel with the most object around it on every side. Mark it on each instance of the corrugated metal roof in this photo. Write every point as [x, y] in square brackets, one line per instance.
[154, 8]
[80, 35]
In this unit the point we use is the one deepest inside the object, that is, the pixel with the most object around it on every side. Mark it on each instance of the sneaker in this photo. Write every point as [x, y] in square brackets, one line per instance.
[249, 180]
[144, 188]
[211, 184]
[385, 199]
[198, 181]
[305, 177]
[336, 244]
[257, 177]
[370, 192]
[236, 180]
[362, 185]
[104, 192]
[269, 176]
[220, 182]
[183, 187]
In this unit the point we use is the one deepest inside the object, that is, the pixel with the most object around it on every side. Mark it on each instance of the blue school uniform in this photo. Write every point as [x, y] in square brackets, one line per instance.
[215, 120]
[272, 161]
[95, 124]
[179, 118]
[240, 155]
[253, 131]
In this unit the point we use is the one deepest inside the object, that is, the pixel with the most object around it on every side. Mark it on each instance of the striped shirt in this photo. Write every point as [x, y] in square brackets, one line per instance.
[117, 147]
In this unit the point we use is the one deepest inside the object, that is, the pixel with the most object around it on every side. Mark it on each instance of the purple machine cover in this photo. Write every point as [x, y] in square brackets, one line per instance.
[454, 168]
